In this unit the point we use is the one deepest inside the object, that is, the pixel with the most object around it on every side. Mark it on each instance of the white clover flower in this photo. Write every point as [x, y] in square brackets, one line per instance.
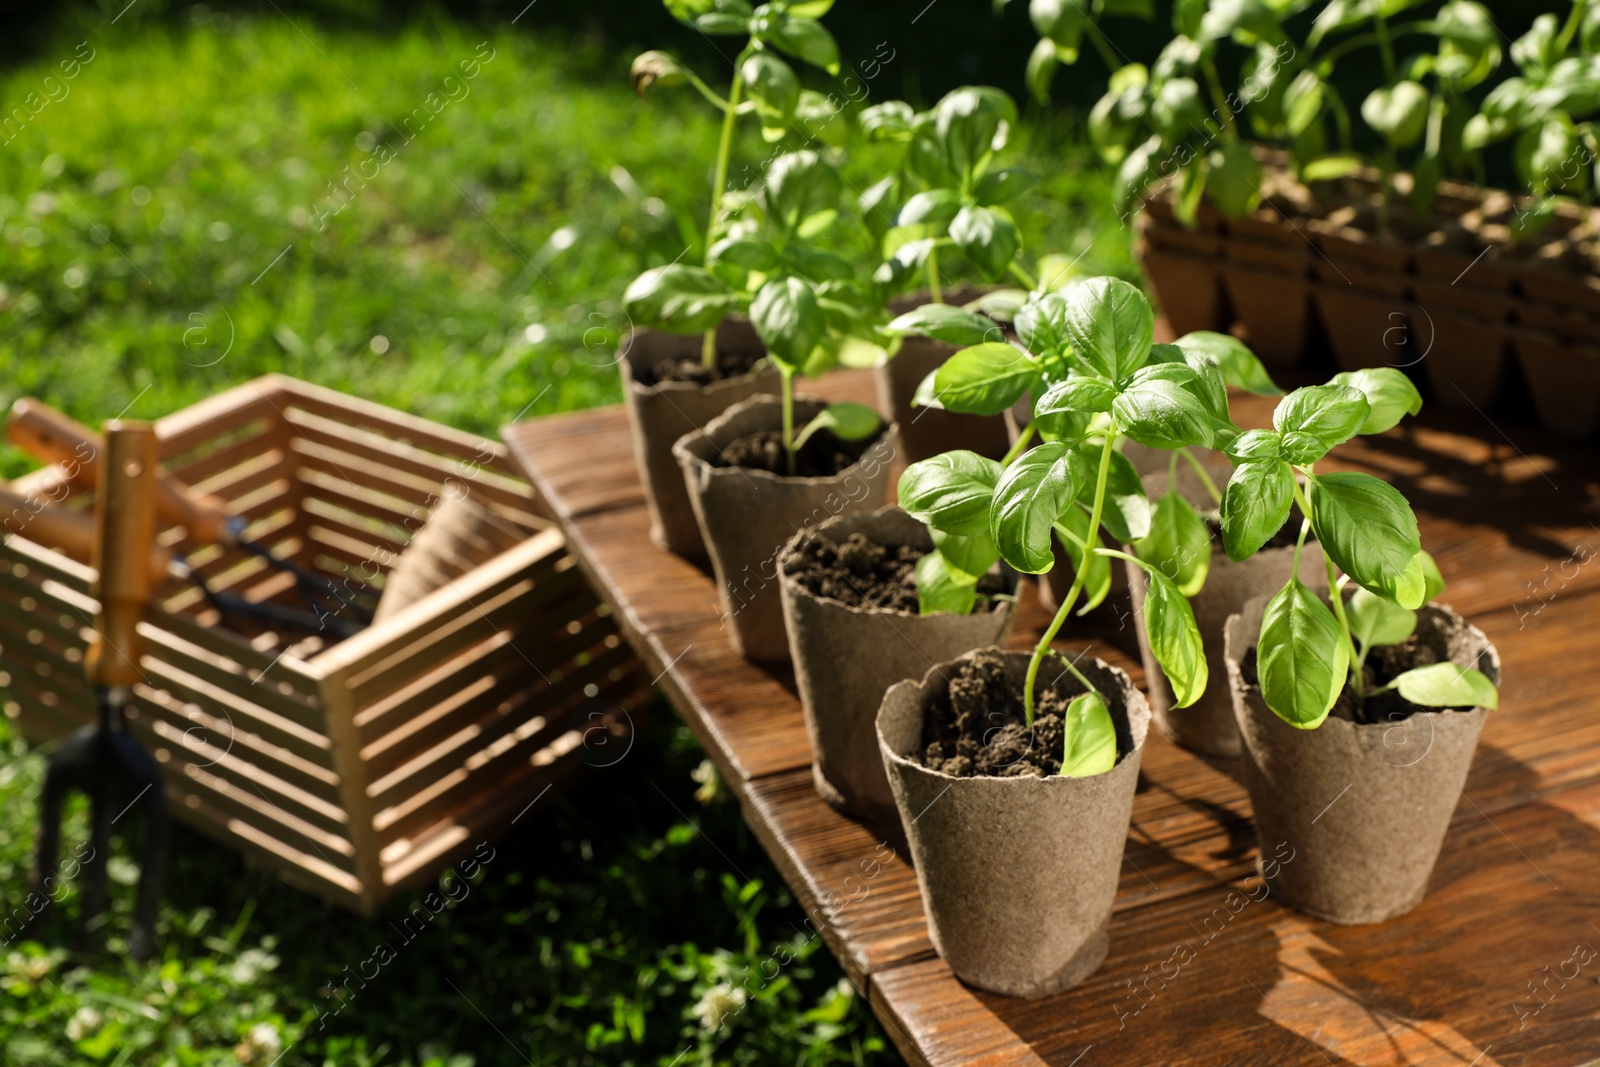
[261, 1045]
[250, 964]
[84, 1022]
[710, 783]
[717, 1004]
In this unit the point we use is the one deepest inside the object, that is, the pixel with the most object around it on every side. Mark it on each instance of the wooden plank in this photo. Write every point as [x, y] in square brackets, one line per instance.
[1265, 984]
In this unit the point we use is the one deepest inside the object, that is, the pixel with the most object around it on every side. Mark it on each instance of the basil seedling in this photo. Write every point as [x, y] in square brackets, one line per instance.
[803, 299]
[1086, 355]
[1306, 652]
[788, 27]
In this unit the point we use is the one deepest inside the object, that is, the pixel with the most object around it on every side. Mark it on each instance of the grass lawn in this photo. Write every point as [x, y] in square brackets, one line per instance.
[183, 219]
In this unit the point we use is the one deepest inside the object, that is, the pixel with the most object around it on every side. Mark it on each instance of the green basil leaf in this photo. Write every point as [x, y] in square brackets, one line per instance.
[948, 323]
[1329, 168]
[927, 394]
[1369, 531]
[1240, 367]
[1111, 325]
[679, 298]
[847, 421]
[805, 39]
[890, 120]
[972, 122]
[1255, 505]
[1041, 324]
[1398, 112]
[1376, 621]
[1302, 658]
[791, 323]
[1078, 394]
[970, 555]
[746, 252]
[1433, 581]
[1072, 533]
[1178, 544]
[1174, 639]
[1126, 514]
[1302, 102]
[1160, 413]
[1034, 492]
[1041, 69]
[951, 492]
[988, 237]
[1315, 419]
[773, 86]
[984, 379]
[1390, 396]
[941, 589]
[1256, 446]
[1447, 685]
[1090, 742]
[799, 186]
[935, 206]
[1233, 178]
[1006, 183]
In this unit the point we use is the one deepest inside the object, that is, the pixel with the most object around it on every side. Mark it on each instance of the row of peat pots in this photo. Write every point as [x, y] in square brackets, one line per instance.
[1479, 308]
[916, 719]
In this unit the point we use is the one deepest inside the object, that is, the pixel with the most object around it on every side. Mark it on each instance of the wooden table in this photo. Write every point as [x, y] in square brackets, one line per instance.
[1199, 972]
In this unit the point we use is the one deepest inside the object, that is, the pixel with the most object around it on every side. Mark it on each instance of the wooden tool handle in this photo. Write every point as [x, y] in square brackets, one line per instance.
[54, 437]
[125, 526]
[71, 532]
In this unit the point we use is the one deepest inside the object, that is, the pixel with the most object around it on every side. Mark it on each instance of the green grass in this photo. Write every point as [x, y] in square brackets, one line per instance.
[159, 241]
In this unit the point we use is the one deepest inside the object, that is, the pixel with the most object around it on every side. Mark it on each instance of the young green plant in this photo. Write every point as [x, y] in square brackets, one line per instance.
[1087, 359]
[802, 298]
[1308, 650]
[960, 194]
[774, 89]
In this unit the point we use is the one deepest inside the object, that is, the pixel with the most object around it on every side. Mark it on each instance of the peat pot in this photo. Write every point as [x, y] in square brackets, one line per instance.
[1356, 814]
[846, 658]
[1018, 873]
[746, 515]
[660, 413]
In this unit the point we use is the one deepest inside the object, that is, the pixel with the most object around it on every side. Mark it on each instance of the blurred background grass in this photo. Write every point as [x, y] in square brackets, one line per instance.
[160, 240]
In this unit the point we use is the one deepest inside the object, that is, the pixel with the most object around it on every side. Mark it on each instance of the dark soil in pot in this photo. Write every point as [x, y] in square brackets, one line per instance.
[1360, 808]
[669, 393]
[822, 456]
[1018, 871]
[850, 605]
[748, 512]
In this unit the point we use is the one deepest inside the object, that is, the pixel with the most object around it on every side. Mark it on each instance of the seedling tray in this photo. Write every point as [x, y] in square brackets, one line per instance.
[359, 768]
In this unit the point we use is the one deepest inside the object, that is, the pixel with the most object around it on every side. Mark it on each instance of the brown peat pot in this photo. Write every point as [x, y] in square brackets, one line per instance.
[846, 658]
[1356, 813]
[662, 412]
[746, 515]
[1017, 873]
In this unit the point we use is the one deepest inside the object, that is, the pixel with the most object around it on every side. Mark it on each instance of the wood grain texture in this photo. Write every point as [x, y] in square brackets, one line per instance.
[1513, 526]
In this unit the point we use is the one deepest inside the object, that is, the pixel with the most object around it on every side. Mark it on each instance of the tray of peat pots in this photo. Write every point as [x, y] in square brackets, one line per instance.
[857, 625]
[948, 196]
[1358, 712]
[1014, 773]
[690, 354]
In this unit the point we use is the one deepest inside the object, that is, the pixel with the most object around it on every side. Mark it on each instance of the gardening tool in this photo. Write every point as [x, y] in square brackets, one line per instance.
[97, 759]
[73, 533]
[56, 438]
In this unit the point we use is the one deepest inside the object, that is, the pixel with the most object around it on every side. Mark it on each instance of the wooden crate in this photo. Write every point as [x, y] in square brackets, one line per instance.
[362, 767]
